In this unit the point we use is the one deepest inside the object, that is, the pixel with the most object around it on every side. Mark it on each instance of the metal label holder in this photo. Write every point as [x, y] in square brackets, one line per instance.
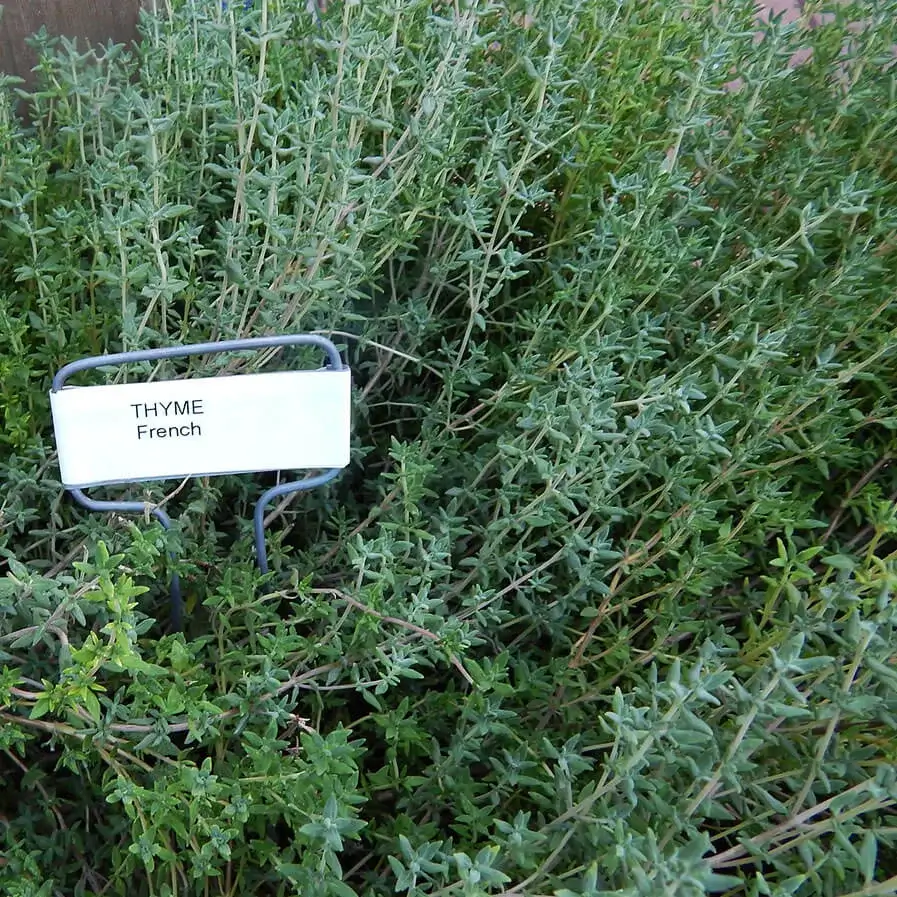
[334, 362]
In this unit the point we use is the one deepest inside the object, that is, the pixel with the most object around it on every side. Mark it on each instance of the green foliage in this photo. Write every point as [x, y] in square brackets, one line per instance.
[605, 604]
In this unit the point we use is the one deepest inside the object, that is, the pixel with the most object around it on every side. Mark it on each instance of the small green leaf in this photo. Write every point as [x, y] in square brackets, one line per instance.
[92, 705]
[40, 708]
[716, 883]
[839, 562]
[868, 856]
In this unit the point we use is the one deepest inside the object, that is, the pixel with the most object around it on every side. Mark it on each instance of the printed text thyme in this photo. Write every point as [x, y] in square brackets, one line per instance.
[168, 409]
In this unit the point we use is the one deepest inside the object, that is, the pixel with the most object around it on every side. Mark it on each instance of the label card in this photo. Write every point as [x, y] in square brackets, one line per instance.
[245, 423]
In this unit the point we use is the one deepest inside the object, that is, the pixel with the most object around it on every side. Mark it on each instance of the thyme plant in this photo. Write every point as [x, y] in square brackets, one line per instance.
[605, 603]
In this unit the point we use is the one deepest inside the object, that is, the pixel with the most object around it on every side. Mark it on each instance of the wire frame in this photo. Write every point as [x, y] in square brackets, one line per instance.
[334, 361]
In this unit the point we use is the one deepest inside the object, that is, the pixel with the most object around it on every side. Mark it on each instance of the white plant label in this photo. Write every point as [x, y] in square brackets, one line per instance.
[128, 432]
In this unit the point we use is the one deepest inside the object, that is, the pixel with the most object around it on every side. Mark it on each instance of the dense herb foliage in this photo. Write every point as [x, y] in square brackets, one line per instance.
[605, 603]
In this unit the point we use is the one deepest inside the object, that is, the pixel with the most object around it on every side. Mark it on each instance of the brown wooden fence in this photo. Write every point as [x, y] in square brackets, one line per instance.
[94, 21]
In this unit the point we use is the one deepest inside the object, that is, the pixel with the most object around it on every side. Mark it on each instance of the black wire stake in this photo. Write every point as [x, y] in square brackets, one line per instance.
[261, 554]
[334, 362]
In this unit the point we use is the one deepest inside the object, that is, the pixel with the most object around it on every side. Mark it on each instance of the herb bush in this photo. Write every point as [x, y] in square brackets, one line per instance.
[605, 602]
